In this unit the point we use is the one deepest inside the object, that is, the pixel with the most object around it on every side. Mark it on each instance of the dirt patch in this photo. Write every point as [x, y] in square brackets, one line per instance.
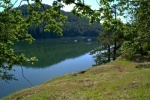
[87, 83]
[133, 84]
[148, 85]
[119, 69]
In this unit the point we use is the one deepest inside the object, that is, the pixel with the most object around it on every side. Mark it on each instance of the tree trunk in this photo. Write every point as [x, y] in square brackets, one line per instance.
[108, 53]
[114, 51]
[141, 51]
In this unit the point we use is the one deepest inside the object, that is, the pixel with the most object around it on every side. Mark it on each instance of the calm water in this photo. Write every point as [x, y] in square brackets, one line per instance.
[56, 58]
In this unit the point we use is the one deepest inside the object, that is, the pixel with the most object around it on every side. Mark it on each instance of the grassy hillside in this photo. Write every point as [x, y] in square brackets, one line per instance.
[117, 80]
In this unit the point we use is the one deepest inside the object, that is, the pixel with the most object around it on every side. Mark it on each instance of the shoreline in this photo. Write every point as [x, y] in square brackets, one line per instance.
[120, 79]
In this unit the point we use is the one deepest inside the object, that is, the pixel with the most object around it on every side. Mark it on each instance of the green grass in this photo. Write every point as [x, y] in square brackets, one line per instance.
[117, 80]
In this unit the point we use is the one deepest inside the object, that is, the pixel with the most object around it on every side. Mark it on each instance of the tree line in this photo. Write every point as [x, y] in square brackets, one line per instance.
[74, 26]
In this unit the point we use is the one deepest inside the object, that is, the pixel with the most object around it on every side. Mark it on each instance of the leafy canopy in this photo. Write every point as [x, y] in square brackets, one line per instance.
[14, 28]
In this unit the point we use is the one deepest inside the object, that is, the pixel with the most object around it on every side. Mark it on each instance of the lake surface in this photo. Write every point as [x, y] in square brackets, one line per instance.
[56, 58]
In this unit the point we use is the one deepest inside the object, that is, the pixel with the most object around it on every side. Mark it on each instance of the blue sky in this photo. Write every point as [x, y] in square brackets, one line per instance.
[92, 3]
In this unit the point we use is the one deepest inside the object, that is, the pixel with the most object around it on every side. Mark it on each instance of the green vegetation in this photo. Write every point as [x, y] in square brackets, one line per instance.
[131, 38]
[126, 27]
[120, 79]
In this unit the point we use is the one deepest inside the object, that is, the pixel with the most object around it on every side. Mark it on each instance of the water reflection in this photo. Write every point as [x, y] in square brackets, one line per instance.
[50, 52]
[37, 76]
[56, 58]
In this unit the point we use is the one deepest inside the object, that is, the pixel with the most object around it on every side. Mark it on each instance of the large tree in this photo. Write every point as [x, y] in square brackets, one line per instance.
[129, 19]
[138, 30]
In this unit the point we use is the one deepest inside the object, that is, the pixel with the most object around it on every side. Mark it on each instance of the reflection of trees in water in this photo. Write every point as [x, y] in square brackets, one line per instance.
[50, 52]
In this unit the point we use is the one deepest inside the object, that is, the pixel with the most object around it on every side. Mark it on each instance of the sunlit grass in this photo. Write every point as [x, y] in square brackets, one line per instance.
[117, 80]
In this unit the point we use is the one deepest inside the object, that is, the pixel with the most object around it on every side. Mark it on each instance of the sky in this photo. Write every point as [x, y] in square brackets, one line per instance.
[92, 3]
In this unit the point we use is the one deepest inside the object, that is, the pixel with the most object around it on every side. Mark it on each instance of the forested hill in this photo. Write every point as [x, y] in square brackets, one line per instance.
[74, 26]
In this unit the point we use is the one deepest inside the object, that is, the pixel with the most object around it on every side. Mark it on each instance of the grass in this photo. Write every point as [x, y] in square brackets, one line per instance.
[117, 80]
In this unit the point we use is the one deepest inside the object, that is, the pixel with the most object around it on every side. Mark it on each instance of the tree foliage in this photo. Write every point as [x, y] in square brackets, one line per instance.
[14, 27]
[133, 35]
[137, 32]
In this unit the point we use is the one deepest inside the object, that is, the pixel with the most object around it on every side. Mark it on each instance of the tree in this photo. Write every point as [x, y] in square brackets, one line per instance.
[136, 12]
[14, 27]
[138, 29]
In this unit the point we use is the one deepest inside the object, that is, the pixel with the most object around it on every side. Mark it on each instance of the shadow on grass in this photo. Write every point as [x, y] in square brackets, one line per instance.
[143, 66]
[144, 61]
[140, 59]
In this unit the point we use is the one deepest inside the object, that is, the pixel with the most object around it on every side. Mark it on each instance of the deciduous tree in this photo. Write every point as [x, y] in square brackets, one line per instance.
[14, 27]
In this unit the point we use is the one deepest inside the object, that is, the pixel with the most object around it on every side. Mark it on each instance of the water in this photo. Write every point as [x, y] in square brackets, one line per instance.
[56, 58]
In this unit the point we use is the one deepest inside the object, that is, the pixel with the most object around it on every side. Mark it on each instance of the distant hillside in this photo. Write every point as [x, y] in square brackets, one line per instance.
[74, 26]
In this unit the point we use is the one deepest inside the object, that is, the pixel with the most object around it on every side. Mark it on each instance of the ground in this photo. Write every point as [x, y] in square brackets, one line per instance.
[118, 80]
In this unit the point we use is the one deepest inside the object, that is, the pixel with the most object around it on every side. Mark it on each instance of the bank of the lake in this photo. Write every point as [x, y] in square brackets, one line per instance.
[56, 57]
[120, 79]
